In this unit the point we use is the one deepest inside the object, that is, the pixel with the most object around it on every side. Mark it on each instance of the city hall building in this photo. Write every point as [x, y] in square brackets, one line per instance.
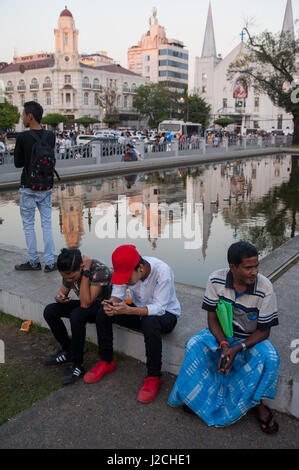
[67, 83]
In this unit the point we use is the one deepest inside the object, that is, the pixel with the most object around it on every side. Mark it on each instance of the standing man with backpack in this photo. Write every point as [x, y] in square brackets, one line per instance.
[35, 153]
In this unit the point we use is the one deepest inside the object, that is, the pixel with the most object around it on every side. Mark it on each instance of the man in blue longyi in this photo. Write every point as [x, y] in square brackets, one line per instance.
[222, 378]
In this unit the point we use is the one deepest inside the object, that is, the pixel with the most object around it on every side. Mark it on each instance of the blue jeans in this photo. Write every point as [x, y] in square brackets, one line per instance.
[29, 200]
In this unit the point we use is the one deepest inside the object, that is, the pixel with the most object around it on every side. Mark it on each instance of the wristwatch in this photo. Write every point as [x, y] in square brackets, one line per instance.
[86, 273]
[244, 347]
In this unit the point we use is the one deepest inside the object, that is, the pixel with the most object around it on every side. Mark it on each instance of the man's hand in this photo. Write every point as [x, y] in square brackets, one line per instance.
[118, 308]
[229, 355]
[61, 297]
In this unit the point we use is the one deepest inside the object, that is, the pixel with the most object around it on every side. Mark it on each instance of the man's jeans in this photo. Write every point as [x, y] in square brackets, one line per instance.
[29, 200]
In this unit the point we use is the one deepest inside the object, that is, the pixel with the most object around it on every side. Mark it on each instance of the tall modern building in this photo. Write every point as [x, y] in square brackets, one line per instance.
[68, 83]
[159, 59]
[249, 109]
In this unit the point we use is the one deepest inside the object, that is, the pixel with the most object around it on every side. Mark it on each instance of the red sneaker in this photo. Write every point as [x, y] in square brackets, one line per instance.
[100, 369]
[149, 389]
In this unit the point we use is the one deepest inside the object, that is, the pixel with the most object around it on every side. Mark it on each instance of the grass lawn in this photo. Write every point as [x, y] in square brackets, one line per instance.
[23, 377]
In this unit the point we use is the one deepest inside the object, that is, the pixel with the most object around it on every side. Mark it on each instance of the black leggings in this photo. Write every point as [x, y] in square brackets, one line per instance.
[78, 317]
[152, 327]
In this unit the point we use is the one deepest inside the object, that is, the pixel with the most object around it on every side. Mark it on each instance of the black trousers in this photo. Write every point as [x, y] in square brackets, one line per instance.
[152, 327]
[78, 317]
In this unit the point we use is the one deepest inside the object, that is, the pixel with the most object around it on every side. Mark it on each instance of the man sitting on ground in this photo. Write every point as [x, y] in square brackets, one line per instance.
[154, 311]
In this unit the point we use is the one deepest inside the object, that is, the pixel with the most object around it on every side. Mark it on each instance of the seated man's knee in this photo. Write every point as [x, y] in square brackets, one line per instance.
[149, 324]
[50, 311]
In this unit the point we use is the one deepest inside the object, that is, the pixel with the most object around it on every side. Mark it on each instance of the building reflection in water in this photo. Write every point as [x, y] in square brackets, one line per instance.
[226, 189]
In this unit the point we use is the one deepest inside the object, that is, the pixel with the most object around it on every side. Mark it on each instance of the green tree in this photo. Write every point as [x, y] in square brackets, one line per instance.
[270, 65]
[86, 121]
[54, 119]
[198, 110]
[9, 116]
[155, 102]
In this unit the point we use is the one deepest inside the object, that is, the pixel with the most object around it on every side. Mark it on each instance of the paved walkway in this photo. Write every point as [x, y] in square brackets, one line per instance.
[87, 168]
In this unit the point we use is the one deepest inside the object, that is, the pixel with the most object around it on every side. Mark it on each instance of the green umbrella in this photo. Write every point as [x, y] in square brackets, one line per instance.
[225, 316]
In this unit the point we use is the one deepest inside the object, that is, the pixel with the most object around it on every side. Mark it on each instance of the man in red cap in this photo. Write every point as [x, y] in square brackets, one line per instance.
[154, 311]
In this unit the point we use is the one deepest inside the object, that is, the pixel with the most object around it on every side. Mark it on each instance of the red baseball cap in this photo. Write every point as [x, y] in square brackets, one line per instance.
[124, 259]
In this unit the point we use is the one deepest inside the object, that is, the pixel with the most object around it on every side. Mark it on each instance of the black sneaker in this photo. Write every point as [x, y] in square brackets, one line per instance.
[50, 268]
[72, 374]
[60, 358]
[28, 266]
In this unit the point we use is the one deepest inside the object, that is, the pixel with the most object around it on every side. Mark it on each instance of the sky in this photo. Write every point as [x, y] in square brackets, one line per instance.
[28, 26]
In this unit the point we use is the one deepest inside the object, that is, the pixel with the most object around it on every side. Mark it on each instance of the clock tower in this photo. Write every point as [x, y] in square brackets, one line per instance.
[66, 40]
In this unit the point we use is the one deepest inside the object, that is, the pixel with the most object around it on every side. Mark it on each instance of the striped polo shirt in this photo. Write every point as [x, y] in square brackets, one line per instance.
[254, 309]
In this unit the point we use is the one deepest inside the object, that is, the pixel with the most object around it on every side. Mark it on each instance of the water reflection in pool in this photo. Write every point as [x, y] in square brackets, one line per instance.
[187, 217]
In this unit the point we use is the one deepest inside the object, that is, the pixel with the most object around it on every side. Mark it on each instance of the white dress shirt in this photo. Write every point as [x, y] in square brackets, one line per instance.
[156, 292]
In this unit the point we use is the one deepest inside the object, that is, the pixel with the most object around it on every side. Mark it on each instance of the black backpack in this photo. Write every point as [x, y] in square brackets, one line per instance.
[41, 170]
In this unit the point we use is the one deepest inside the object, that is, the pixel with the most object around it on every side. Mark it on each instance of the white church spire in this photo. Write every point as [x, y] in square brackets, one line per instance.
[209, 45]
[288, 22]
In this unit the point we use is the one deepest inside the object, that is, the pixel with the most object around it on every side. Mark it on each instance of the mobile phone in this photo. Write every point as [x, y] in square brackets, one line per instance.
[223, 362]
[109, 302]
[59, 299]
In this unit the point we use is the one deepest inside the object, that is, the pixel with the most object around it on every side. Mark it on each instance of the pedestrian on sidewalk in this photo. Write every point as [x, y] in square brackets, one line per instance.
[33, 148]
[150, 306]
[222, 378]
[90, 280]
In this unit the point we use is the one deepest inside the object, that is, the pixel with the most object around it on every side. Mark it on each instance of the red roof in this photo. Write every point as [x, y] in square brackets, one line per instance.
[66, 12]
[30, 65]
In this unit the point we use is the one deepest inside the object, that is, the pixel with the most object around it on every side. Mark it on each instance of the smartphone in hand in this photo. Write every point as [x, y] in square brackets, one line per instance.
[109, 302]
[62, 299]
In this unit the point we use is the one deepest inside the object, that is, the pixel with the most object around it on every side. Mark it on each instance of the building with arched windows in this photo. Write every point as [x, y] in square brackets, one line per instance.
[67, 83]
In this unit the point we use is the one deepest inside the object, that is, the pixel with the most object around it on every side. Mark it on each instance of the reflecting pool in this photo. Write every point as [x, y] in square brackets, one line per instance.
[188, 216]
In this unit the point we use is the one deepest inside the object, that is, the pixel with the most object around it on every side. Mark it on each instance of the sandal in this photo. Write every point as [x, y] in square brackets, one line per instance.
[265, 424]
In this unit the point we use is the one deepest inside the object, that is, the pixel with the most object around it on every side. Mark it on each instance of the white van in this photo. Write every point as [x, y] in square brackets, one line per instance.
[84, 139]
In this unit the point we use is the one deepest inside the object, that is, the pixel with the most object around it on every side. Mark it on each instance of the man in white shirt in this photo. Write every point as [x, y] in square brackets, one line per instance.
[154, 310]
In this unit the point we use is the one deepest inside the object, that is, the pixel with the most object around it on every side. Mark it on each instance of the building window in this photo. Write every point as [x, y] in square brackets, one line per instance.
[22, 85]
[34, 84]
[48, 99]
[279, 121]
[96, 84]
[204, 89]
[96, 99]
[256, 104]
[125, 86]
[148, 58]
[66, 39]
[67, 79]
[86, 83]
[224, 103]
[34, 97]
[125, 101]
[47, 83]
[22, 99]
[68, 98]
[85, 99]
[133, 87]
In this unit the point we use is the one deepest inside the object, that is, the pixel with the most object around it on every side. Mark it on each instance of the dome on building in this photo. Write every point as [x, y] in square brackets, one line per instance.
[66, 12]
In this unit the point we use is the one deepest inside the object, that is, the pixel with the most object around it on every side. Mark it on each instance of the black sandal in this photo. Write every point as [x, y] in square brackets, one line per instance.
[265, 425]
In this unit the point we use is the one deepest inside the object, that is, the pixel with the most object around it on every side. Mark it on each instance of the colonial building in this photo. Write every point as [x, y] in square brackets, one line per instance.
[160, 59]
[65, 82]
[236, 100]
